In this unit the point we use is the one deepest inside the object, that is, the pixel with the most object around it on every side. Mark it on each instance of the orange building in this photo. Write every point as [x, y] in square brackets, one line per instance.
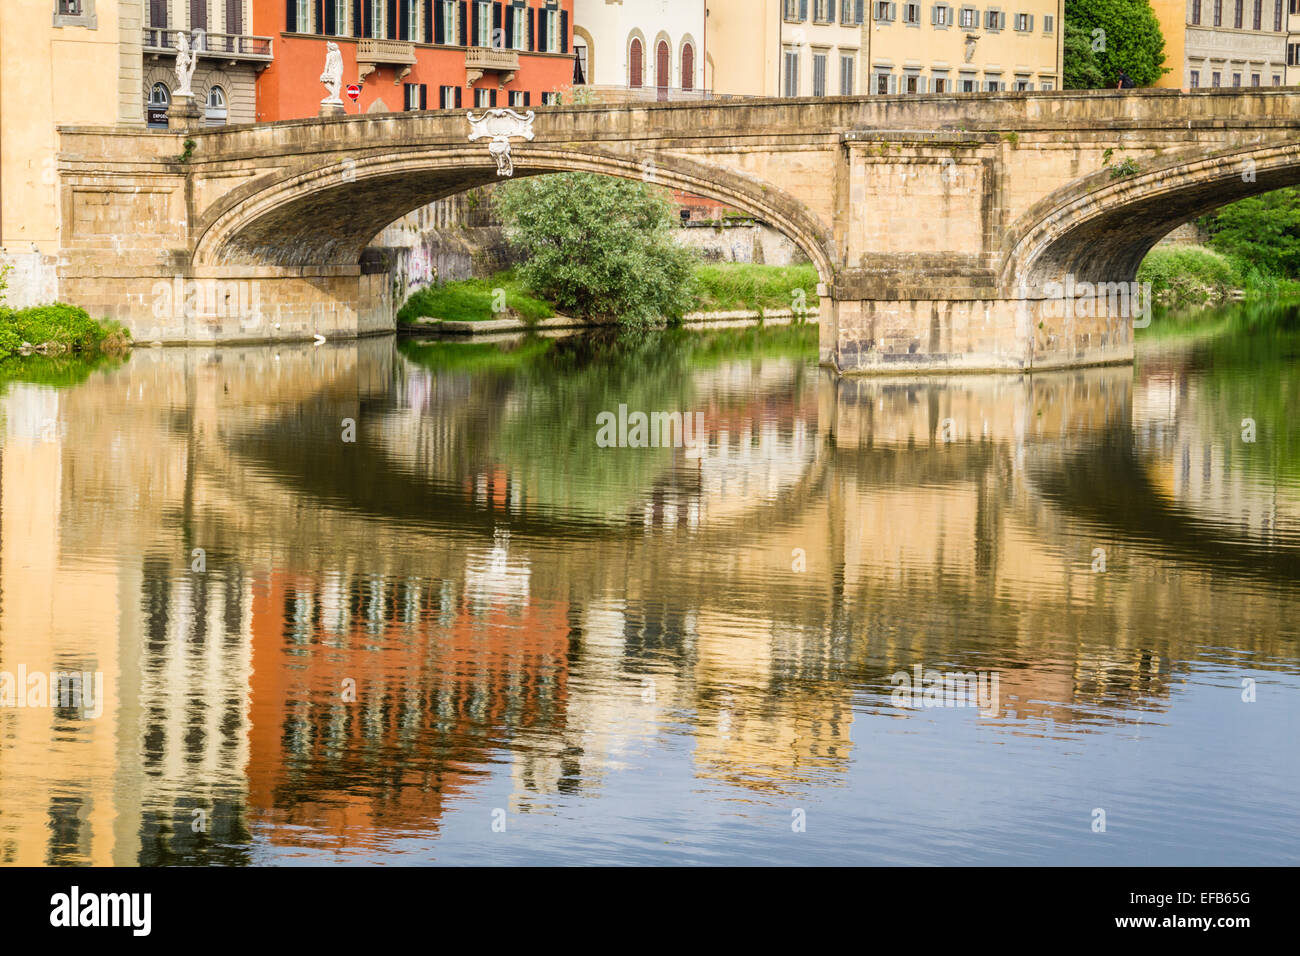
[416, 54]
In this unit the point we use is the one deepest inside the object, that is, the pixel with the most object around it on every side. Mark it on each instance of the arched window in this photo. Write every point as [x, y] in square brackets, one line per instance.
[216, 112]
[688, 67]
[160, 98]
[635, 65]
[663, 57]
[581, 65]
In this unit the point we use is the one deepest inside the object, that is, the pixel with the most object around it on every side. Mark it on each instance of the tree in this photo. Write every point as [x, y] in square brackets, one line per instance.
[1262, 232]
[1081, 71]
[599, 247]
[1120, 35]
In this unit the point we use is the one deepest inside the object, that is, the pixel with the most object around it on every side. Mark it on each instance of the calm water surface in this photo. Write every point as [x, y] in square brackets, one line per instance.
[472, 618]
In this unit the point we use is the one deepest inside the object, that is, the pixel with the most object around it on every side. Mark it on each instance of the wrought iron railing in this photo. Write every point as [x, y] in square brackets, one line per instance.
[231, 45]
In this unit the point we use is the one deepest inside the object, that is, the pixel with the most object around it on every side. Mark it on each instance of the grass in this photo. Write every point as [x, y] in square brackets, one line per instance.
[472, 300]
[730, 287]
[736, 287]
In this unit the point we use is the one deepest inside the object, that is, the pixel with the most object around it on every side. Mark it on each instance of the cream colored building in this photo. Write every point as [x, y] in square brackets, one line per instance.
[650, 48]
[851, 47]
[1217, 43]
[62, 62]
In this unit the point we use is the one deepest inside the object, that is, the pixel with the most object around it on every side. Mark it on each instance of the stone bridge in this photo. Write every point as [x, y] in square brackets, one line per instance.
[949, 232]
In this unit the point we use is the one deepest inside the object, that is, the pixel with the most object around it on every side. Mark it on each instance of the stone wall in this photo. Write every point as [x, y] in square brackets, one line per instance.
[742, 240]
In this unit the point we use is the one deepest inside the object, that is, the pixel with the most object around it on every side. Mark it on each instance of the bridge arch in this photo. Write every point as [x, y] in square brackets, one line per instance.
[1099, 228]
[326, 215]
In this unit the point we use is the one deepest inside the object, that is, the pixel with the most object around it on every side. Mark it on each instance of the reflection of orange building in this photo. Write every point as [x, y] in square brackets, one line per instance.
[433, 670]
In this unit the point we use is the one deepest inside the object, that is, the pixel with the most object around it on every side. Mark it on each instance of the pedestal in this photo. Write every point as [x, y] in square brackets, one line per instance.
[183, 114]
[328, 109]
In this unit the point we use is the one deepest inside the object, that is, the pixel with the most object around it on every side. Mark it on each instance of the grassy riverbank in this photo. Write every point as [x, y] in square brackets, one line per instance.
[1197, 275]
[726, 287]
[57, 329]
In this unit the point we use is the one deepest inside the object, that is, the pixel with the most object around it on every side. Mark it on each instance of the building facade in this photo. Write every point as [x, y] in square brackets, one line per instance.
[852, 47]
[62, 62]
[416, 54]
[642, 48]
[1215, 43]
[230, 58]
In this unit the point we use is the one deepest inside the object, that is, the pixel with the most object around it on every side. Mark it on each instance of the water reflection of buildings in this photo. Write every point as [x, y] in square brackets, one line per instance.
[562, 649]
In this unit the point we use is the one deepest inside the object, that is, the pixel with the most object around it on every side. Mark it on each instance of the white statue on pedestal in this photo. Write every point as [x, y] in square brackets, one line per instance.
[333, 75]
[186, 61]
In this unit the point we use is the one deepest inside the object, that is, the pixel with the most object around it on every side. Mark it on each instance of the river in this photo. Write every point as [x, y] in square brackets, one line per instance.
[387, 601]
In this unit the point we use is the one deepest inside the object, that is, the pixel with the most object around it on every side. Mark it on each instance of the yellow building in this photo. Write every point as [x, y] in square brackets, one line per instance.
[1224, 42]
[62, 62]
[849, 47]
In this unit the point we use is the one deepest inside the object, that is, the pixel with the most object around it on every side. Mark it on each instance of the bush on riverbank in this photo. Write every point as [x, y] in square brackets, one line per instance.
[1189, 274]
[599, 247]
[57, 329]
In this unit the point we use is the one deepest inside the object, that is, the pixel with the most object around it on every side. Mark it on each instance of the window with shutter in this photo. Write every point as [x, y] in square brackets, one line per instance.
[688, 67]
[635, 65]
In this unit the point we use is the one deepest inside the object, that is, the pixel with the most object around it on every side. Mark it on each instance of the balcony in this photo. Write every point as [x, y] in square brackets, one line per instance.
[230, 47]
[485, 59]
[372, 54]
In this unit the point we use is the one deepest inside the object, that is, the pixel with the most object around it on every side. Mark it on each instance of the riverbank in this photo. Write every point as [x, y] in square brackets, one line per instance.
[57, 329]
[721, 294]
[1182, 276]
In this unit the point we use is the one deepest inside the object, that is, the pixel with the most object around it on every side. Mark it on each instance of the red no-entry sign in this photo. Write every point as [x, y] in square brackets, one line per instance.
[354, 93]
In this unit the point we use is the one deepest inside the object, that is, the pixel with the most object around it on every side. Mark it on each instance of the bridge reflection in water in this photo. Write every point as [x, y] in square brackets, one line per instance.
[637, 654]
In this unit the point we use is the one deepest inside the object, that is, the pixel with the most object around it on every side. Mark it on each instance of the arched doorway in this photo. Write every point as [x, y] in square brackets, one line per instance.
[160, 98]
[636, 65]
[662, 60]
[688, 67]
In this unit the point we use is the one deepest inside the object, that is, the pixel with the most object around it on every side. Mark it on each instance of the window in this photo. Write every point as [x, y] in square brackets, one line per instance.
[940, 15]
[912, 14]
[444, 23]
[883, 83]
[992, 84]
[636, 64]
[1024, 23]
[1049, 23]
[1195, 79]
[1254, 79]
[215, 114]
[1216, 79]
[1277, 16]
[580, 72]
[518, 39]
[1047, 84]
[851, 12]
[413, 32]
[940, 83]
[969, 18]
[415, 96]
[688, 67]
[1293, 54]
[1196, 12]
[1236, 79]
[1023, 83]
[550, 99]
[449, 97]
[824, 11]
[75, 13]
[848, 71]
[482, 24]
[819, 74]
[994, 20]
[517, 98]
[790, 74]
[550, 28]
[911, 83]
[301, 20]
[1236, 13]
[1277, 80]
[792, 10]
[968, 84]
[1218, 13]
[1257, 15]
[484, 98]
[886, 11]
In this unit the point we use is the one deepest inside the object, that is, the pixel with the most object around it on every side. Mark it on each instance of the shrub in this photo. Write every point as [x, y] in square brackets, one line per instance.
[1188, 272]
[599, 247]
[58, 328]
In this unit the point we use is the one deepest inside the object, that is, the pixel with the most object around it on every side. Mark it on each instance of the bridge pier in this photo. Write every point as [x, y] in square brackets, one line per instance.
[882, 336]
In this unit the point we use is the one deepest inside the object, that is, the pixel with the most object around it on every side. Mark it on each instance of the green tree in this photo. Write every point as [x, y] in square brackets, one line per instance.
[1262, 232]
[1081, 71]
[599, 247]
[1120, 35]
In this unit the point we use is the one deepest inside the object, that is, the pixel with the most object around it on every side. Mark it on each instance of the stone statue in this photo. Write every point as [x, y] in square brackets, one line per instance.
[186, 61]
[499, 126]
[970, 46]
[333, 75]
